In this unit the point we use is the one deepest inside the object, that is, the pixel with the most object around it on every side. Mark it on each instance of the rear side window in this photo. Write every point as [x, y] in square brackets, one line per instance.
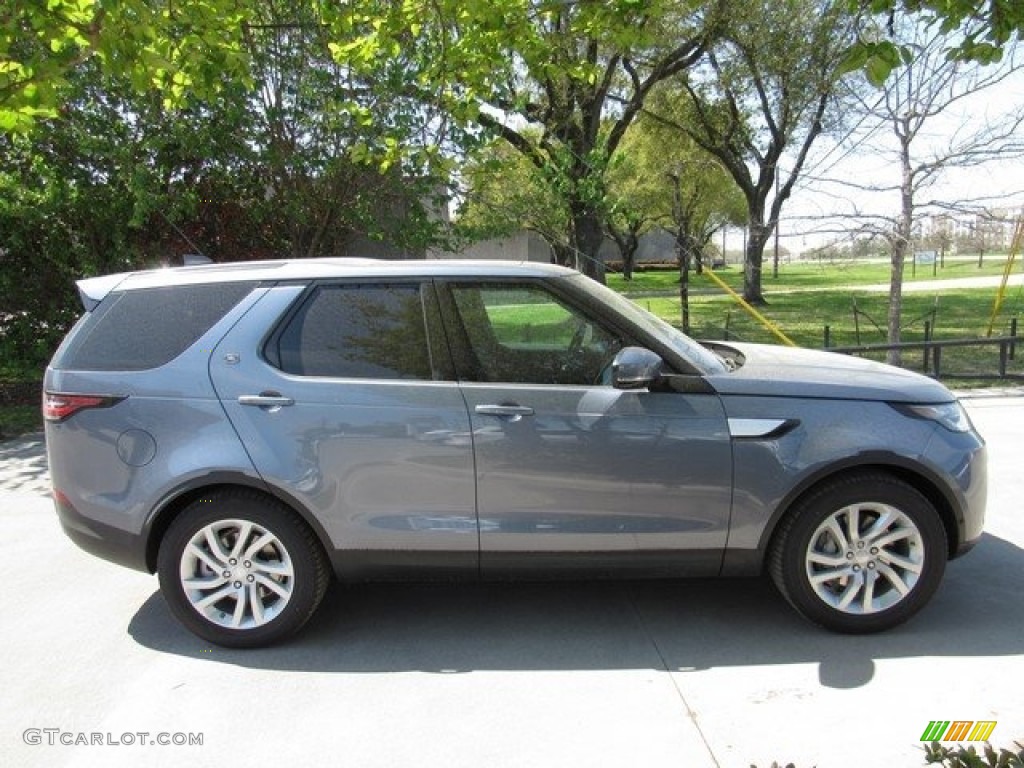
[138, 330]
[357, 331]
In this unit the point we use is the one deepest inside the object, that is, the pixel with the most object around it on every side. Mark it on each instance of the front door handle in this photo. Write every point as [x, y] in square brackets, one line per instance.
[508, 411]
[270, 400]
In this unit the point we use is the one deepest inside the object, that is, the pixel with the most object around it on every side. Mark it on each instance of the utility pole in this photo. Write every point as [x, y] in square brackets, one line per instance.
[775, 260]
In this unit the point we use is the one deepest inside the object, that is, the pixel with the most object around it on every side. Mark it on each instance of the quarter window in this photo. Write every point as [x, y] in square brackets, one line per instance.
[147, 328]
[358, 331]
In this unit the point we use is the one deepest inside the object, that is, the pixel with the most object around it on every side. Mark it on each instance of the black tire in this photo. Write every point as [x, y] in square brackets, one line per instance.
[824, 571]
[262, 595]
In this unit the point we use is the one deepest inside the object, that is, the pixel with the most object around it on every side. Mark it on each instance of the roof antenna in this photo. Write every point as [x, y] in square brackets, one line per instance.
[189, 259]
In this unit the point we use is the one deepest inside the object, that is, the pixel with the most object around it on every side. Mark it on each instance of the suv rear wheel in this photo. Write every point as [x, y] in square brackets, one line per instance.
[860, 553]
[240, 569]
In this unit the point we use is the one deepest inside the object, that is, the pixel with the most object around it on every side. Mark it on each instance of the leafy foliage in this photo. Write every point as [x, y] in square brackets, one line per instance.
[174, 47]
[559, 82]
[662, 179]
[961, 757]
[759, 102]
[117, 180]
[661, 173]
[982, 29]
[505, 192]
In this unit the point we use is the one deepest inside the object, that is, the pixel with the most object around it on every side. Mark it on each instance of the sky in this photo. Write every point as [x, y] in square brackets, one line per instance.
[819, 210]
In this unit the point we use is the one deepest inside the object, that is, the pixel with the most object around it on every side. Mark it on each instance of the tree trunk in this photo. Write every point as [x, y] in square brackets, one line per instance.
[899, 257]
[753, 258]
[629, 257]
[683, 254]
[562, 255]
[588, 235]
[900, 247]
[628, 244]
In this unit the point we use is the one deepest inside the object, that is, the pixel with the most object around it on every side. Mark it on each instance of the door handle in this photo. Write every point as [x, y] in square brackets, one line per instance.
[505, 411]
[269, 400]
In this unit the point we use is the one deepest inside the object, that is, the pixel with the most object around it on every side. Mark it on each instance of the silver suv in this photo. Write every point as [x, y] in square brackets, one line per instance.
[248, 430]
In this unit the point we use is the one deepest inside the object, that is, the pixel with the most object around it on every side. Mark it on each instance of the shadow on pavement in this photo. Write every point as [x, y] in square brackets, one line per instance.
[676, 625]
[23, 466]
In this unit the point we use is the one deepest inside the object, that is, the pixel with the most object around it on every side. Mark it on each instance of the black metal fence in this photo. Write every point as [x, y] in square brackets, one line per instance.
[980, 366]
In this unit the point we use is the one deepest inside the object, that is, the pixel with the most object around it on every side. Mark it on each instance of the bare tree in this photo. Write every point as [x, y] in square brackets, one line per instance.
[914, 122]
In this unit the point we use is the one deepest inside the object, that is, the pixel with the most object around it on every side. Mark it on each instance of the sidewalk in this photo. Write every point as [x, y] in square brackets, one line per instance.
[909, 286]
[983, 393]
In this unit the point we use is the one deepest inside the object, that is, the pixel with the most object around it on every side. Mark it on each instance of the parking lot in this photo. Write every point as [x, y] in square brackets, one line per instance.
[695, 673]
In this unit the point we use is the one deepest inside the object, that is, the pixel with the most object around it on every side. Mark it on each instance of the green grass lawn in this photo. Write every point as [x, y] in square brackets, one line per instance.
[802, 316]
[815, 274]
[954, 314]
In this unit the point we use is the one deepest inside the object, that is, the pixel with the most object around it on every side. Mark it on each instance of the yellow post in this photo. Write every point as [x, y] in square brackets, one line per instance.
[768, 324]
[1018, 237]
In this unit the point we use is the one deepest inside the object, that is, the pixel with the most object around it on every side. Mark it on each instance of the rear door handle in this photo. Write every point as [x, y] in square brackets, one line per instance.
[270, 400]
[505, 411]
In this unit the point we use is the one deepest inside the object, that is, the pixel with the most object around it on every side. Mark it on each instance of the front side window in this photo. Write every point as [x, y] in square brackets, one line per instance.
[524, 334]
[356, 331]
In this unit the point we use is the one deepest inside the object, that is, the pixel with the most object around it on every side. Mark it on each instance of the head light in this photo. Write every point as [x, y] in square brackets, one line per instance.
[950, 415]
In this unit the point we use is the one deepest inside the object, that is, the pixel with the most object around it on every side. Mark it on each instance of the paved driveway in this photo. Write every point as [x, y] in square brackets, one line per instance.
[644, 675]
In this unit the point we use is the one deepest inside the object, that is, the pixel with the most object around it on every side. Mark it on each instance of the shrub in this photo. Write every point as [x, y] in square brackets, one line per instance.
[961, 757]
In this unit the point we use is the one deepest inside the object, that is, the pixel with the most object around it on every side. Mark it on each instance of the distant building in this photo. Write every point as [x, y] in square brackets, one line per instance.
[656, 246]
[524, 245]
[991, 230]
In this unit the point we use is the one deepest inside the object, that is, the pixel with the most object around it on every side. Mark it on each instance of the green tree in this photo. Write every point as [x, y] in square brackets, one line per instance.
[65, 206]
[181, 47]
[559, 81]
[667, 180]
[319, 145]
[504, 193]
[975, 30]
[636, 194]
[118, 180]
[760, 102]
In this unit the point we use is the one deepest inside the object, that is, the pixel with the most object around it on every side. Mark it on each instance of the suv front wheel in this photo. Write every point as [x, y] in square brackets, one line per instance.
[860, 554]
[240, 569]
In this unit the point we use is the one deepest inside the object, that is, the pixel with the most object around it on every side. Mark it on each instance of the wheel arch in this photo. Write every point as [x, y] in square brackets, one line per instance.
[168, 509]
[927, 483]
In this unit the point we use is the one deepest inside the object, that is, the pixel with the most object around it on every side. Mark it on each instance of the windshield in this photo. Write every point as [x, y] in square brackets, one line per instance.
[702, 359]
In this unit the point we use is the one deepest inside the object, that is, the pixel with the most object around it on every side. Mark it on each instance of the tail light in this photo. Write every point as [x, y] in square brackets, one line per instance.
[58, 406]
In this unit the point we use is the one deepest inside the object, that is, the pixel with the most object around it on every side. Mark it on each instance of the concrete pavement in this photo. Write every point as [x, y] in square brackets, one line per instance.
[688, 673]
[23, 466]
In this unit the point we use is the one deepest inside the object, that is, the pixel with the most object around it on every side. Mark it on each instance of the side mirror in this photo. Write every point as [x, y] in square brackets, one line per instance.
[636, 368]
